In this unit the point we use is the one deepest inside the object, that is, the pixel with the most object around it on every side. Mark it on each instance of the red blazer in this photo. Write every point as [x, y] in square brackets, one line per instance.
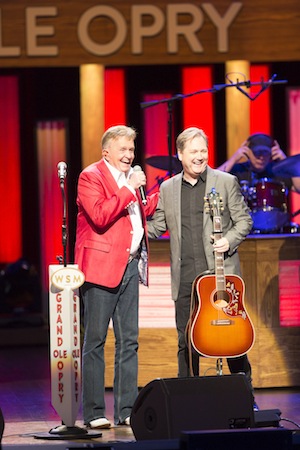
[104, 230]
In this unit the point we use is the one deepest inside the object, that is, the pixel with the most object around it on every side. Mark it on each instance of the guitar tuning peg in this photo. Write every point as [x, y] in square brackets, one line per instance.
[221, 204]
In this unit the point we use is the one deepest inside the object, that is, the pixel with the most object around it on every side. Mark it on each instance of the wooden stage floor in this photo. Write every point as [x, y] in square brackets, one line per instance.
[25, 400]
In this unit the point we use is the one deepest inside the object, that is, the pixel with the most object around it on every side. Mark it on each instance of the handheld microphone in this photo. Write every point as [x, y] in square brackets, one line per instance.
[141, 188]
[61, 171]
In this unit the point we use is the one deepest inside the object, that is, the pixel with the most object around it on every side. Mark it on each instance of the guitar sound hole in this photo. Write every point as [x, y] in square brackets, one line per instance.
[221, 299]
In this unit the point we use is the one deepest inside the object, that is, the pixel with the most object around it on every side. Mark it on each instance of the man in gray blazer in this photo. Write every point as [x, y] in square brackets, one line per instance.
[180, 210]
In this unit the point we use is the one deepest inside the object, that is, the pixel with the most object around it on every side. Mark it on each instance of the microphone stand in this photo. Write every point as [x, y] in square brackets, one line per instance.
[65, 378]
[239, 85]
[64, 222]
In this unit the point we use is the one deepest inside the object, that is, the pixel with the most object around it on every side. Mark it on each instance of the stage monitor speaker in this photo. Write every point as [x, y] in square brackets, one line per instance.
[166, 407]
[251, 439]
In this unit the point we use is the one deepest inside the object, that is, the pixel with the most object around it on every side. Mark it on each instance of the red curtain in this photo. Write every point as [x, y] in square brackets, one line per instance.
[115, 97]
[294, 142]
[51, 149]
[10, 185]
[260, 114]
[156, 140]
[198, 110]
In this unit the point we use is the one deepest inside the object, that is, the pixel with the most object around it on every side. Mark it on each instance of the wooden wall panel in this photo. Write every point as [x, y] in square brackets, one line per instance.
[273, 356]
[48, 33]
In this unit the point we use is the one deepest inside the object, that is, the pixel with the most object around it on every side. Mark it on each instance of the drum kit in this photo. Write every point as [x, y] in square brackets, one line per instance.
[267, 199]
[268, 205]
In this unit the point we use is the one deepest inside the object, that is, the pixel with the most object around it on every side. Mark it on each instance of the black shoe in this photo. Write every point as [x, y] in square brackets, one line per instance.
[126, 422]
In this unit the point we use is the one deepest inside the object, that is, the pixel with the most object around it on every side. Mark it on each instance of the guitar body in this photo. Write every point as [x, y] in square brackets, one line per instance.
[219, 324]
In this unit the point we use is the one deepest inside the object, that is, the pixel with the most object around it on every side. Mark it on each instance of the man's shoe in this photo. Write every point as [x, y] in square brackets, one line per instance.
[60, 429]
[101, 423]
[126, 422]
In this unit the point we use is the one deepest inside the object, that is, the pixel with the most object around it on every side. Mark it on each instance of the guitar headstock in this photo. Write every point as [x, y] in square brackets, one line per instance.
[213, 203]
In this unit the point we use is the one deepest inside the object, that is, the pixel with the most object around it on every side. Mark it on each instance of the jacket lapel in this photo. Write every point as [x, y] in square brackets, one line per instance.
[177, 182]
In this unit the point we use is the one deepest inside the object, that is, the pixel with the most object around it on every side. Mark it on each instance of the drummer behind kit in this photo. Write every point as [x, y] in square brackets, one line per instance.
[265, 183]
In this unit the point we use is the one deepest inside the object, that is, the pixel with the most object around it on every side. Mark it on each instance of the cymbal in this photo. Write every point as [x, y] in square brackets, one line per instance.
[163, 162]
[288, 167]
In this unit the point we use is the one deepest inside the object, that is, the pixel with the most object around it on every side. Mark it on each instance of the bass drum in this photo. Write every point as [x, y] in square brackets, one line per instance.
[267, 201]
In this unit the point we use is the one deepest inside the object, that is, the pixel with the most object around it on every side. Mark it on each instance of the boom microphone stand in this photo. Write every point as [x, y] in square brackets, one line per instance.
[239, 85]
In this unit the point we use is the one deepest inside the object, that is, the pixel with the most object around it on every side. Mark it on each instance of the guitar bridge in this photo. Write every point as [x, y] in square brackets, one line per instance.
[222, 322]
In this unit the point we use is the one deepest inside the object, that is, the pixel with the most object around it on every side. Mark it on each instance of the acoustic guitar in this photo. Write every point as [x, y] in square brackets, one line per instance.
[219, 325]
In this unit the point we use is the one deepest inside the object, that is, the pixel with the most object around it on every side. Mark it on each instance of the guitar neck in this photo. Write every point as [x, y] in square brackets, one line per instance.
[219, 257]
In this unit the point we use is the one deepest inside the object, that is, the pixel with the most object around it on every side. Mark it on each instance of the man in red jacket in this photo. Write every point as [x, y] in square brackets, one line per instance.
[111, 245]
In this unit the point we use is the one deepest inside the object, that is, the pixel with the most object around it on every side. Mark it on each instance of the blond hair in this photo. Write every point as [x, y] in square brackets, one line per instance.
[187, 135]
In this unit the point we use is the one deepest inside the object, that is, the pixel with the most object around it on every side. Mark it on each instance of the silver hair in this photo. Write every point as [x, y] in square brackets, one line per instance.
[117, 131]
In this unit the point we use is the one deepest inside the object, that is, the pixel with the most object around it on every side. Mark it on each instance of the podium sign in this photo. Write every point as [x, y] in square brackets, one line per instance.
[65, 348]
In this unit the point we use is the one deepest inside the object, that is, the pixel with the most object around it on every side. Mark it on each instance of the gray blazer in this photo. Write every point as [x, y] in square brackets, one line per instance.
[236, 221]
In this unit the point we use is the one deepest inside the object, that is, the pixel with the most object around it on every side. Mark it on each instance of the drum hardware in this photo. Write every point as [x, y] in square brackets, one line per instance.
[163, 162]
[245, 189]
[292, 228]
[159, 180]
[296, 213]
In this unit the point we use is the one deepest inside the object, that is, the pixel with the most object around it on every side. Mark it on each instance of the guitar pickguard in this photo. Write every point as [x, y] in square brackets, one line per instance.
[229, 301]
[235, 307]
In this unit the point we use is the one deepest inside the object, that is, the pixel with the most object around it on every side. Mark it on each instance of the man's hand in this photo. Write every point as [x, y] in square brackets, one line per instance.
[277, 153]
[137, 179]
[242, 152]
[221, 245]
